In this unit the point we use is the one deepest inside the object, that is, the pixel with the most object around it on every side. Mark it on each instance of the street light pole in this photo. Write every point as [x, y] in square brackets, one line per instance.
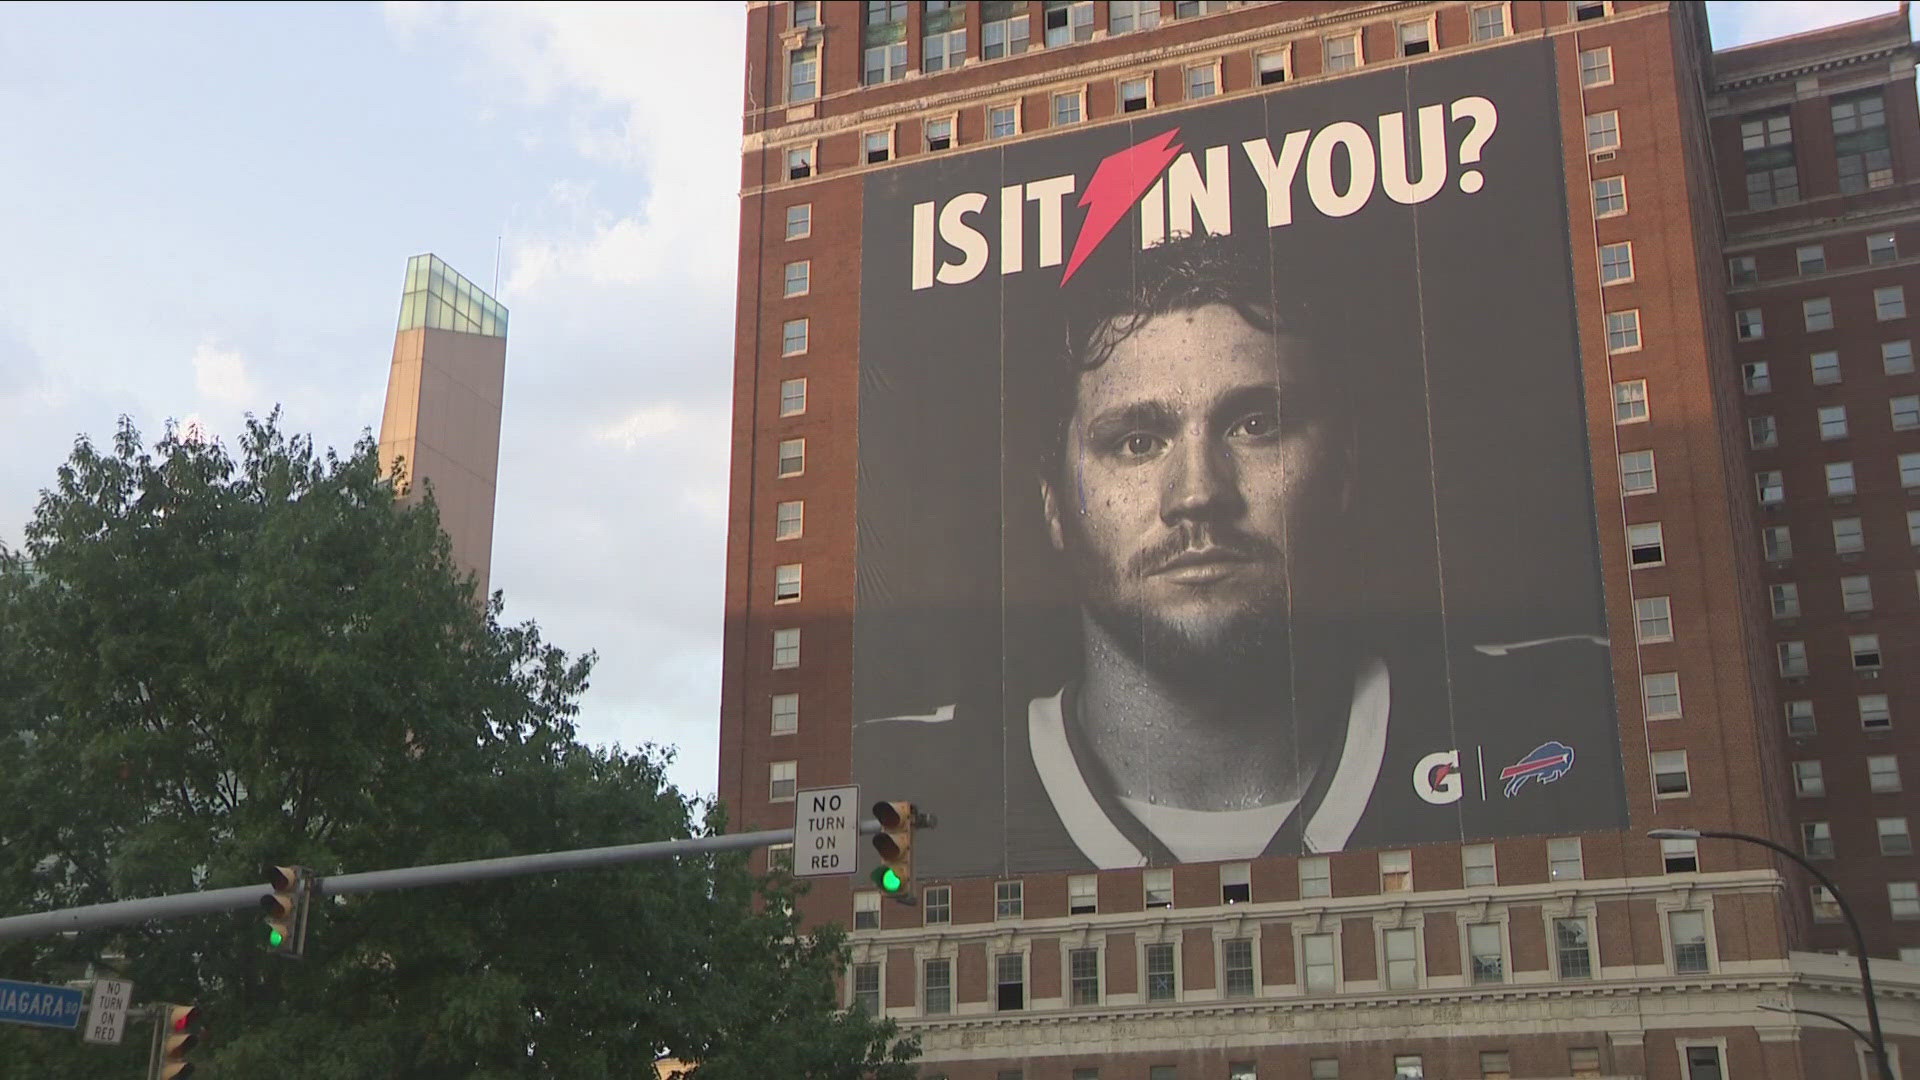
[1879, 1041]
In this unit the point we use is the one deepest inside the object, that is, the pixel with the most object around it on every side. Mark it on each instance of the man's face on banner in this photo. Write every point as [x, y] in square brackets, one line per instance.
[1195, 457]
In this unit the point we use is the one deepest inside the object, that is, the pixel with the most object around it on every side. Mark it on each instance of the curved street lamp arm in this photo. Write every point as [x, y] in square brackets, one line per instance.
[1857, 1033]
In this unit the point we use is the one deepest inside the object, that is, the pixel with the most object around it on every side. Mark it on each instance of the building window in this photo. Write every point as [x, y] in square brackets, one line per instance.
[1003, 28]
[786, 648]
[1896, 357]
[1324, 1069]
[1623, 331]
[1832, 419]
[886, 40]
[866, 988]
[786, 583]
[1490, 22]
[1068, 21]
[1825, 907]
[938, 132]
[793, 397]
[1762, 433]
[1571, 948]
[1630, 401]
[1800, 722]
[1816, 839]
[1010, 982]
[1163, 1072]
[1645, 546]
[806, 13]
[793, 337]
[1162, 983]
[1203, 81]
[803, 74]
[1680, 856]
[1883, 773]
[1882, 248]
[1748, 326]
[1771, 485]
[1609, 196]
[1818, 313]
[1487, 953]
[1126, 16]
[799, 221]
[1904, 897]
[1003, 121]
[866, 911]
[796, 278]
[1403, 958]
[1236, 883]
[1494, 1065]
[1893, 836]
[1793, 659]
[1314, 878]
[1159, 888]
[1670, 774]
[1766, 144]
[1616, 263]
[1905, 412]
[1241, 1070]
[1874, 711]
[1083, 894]
[1847, 537]
[1636, 472]
[1009, 900]
[1477, 865]
[1083, 976]
[1408, 1067]
[1187, 9]
[1913, 527]
[1586, 10]
[1596, 66]
[1603, 131]
[1416, 37]
[1743, 270]
[1777, 542]
[789, 518]
[1866, 651]
[1856, 593]
[944, 51]
[937, 987]
[1396, 871]
[937, 903]
[1563, 859]
[1909, 470]
[779, 857]
[1786, 600]
[1825, 367]
[785, 710]
[1688, 929]
[1236, 965]
[799, 162]
[793, 457]
[1341, 53]
[1860, 142]
[781, 781]
[1809, 782]
[1317, 963]
[1661, 693]
[1136, 93]
[1270, 67]
[1067, 108]
[1839, 478]
[885, 63]
[1653, 621]
[1890, 303]
[1811, 259]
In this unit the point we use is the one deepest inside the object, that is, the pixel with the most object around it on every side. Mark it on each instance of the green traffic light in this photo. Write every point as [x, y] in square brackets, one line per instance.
[275, 938]
[888, 879]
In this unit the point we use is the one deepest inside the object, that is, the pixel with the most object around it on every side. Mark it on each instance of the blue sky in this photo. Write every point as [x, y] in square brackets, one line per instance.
[205, 211]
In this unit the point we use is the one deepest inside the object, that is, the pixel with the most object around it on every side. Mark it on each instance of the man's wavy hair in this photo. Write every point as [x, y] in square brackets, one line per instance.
[1184, 273]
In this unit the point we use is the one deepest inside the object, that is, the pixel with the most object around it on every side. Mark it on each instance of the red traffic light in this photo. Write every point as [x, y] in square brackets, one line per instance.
[184, 1017]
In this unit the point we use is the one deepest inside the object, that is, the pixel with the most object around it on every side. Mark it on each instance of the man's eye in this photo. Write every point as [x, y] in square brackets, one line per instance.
[1258, 425]
[1139, 444]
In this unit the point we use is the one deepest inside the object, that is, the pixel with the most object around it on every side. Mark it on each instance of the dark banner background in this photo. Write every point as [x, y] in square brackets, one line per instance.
[1453, 322]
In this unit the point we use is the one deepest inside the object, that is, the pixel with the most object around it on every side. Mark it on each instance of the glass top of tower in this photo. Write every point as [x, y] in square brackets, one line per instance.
[439, 298]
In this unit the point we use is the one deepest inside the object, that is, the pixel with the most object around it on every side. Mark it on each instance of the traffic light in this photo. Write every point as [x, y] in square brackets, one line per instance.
[286, 909]
[894, 842]
[173, 1038]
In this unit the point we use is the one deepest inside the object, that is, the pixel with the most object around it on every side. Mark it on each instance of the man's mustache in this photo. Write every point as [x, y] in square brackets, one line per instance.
[1214, 541]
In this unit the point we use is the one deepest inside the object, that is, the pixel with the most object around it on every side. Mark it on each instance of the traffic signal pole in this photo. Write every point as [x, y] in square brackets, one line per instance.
[178, 905]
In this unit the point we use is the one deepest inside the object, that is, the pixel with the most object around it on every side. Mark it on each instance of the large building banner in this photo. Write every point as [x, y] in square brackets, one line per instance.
[1224, 486]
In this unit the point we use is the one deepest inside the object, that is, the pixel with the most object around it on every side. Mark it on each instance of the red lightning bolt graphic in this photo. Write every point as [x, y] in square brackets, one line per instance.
[1116, 185]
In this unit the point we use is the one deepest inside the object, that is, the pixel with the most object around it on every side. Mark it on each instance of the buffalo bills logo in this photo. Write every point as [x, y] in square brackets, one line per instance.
[1548, 762]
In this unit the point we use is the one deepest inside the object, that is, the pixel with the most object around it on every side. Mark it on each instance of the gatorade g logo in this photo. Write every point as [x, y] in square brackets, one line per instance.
[1436, 779]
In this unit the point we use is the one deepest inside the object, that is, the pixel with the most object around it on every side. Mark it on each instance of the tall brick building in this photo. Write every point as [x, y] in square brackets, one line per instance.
[1742, 229]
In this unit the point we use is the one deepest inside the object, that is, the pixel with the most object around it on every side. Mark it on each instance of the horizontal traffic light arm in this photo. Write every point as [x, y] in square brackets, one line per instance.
[180, 905]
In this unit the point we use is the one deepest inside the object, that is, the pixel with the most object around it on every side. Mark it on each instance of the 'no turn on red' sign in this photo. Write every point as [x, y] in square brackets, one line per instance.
[826, 826]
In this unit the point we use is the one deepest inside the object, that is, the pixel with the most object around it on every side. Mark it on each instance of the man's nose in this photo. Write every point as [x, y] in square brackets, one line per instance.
[1200, 482]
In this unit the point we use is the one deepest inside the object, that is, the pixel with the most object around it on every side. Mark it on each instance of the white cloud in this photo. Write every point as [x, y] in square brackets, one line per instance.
[642, 424]
[221, 375]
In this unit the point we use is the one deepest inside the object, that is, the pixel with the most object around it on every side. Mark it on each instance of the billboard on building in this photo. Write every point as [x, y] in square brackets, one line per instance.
[1224, 486]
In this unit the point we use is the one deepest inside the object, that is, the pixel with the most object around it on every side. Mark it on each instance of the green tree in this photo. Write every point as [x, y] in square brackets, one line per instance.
[210, 663]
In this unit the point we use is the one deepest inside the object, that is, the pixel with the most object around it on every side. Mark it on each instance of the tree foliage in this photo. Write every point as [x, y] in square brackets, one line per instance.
[210, 663]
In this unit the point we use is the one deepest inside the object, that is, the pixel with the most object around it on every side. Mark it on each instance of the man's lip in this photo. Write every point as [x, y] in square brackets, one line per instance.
[1211, 556]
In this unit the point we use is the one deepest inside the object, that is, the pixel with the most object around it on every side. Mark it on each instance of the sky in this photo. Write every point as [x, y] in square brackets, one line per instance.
[206, 211]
